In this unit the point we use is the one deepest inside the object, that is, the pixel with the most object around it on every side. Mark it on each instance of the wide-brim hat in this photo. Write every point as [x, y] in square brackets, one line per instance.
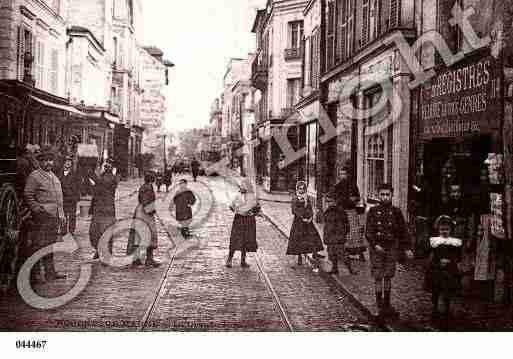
[46, 153]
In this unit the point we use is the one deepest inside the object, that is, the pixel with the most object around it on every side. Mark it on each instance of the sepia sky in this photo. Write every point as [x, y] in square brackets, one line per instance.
[199, 37]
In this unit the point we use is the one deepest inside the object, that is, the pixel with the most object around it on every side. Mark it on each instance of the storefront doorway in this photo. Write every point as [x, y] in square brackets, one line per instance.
[448, 161]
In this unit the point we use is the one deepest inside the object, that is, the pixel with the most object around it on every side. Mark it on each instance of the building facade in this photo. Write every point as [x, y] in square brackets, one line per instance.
[155, 73]
[33, 71]
[277, 72]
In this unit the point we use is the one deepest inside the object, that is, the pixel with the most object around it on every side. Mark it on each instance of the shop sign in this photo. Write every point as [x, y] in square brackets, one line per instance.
[335, 87]
[382, 66]
[462, 100]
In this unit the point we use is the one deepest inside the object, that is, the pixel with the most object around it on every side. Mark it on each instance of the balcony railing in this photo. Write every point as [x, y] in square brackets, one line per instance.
[292, 54]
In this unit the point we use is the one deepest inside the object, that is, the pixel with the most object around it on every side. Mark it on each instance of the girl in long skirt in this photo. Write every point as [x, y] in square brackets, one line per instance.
[145, 211]
[243, 235]
[304, 237]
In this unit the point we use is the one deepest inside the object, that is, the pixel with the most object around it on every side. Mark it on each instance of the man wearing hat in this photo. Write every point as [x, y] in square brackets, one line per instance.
[43, 194]
[103, 208]
[71, 193]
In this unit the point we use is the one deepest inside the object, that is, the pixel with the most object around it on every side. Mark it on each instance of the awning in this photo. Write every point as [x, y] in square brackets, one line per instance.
[67, 108]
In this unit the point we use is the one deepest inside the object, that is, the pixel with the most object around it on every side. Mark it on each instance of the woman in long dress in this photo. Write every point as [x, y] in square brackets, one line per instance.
[348, 196]
[304, 237]
[243, 234]
[145, 211]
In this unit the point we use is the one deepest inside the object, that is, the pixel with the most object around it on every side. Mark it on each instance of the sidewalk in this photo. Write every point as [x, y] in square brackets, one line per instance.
[408, 296]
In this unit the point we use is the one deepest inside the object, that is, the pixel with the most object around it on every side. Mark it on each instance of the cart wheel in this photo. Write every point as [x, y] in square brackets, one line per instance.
[9, 234]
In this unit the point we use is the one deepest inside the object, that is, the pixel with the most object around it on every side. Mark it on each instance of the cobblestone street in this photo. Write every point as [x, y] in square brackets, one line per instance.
[193, 290]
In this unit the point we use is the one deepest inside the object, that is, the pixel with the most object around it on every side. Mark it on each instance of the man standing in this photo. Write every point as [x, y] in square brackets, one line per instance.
[388, 236]
[71, 192]
[43, 194]
[103, 207]
[195, 166]
[346, 191]
[25, 165]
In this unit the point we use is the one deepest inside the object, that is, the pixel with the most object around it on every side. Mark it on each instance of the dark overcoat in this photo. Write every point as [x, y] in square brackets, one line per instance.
[336, 226]
[386, 227]
[183, 202]
[144, 211]
[344, 190]
[304, 237]
[103, 208]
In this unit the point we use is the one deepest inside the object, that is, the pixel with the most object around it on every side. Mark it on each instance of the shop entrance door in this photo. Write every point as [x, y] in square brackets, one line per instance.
[454, 161]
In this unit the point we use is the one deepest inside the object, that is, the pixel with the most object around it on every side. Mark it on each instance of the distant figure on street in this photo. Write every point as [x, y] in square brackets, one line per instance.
[336, 227]
[71, 184]
[159, 180]
[43, 194]
[243, 233]
[443, 270]
[182, 203]
[195, 167]
[304, 237]
[103, 208]
[168, 177]
[388, 236]
[145, 211]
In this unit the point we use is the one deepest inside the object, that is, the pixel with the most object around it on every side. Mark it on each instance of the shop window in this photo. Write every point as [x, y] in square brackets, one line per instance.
[375, 165]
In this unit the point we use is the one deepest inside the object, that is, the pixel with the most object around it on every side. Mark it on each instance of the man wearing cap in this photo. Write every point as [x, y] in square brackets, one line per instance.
[43, 194]
[103, 208]
[71, 193]
[25, 164]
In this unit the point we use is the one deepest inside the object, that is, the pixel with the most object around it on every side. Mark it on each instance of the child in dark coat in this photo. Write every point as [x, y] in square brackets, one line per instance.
[336, 228]
[183, 202]
[304, 237]
[446, 252]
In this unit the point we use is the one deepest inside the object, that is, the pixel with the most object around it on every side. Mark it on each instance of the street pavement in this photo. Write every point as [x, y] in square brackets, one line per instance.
[408, 295]
[192, 290]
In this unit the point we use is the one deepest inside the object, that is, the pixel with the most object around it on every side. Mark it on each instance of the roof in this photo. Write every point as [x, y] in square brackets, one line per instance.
[84, 30]
[260, 13]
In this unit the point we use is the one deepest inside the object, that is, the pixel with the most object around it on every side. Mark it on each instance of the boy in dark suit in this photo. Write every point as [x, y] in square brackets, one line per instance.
[388, 236]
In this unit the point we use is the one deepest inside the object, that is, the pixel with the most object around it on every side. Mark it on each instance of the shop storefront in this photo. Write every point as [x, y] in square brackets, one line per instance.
[460, 157]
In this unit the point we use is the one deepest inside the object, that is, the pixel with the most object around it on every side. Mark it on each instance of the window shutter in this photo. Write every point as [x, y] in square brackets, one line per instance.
[21, 54]
[54, 74]
[330, 47]
[395, 6]
[365, 23]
